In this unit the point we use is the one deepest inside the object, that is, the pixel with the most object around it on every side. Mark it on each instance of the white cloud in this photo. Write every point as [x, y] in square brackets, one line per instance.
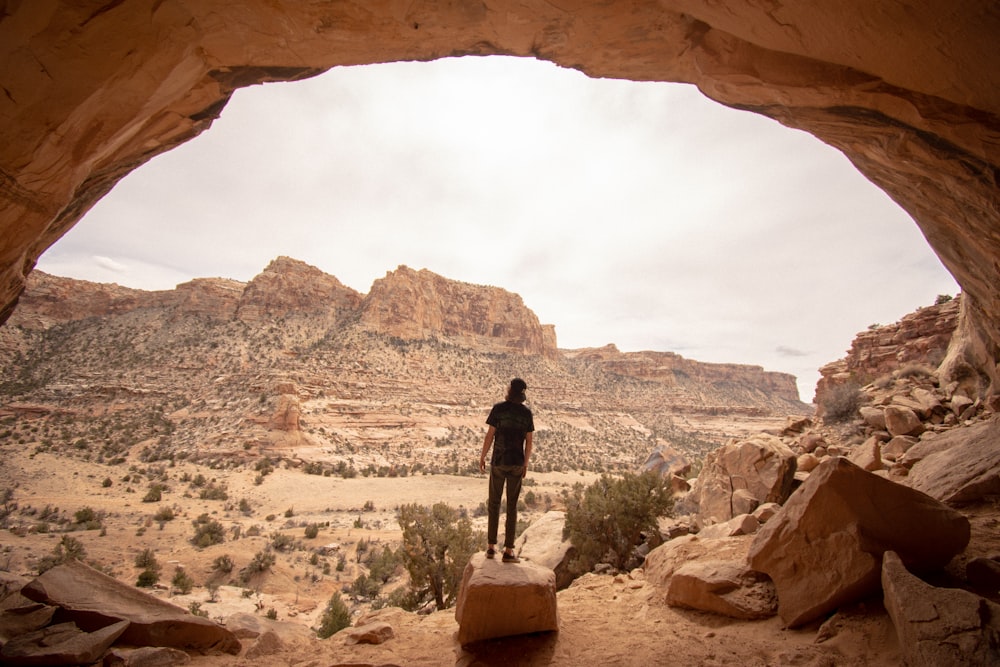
[635, 213]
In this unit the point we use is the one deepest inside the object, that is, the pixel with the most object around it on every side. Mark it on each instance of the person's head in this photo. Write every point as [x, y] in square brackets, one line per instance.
[516, 391]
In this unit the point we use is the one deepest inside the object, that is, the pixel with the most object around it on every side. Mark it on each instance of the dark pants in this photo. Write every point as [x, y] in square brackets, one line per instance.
[512, 476]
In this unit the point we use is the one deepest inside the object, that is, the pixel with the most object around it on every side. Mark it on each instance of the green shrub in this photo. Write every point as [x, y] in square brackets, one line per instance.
[312, 530]
[182, 581]
[335, 617]
[607, 520]
[147, 578]
[207, 532]
[146, 559]
[223, 564]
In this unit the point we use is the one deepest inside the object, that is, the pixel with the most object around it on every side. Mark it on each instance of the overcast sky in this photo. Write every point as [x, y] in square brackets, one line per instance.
[640, 214]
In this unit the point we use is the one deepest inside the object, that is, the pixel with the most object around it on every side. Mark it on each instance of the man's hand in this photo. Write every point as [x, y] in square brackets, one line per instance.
[482, 464]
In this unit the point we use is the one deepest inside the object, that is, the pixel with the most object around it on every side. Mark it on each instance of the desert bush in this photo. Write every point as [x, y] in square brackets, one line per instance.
[335, 617]
[312, 531]
[214, 491]
[85, 515]
[223, 564]
[606, 520]
[915, 371]
[182, 581]
[207, 532]
[282, 542]
[437, 543]
[146, 559]
[841, 403]
[154, 494]
[69, 548]
[147, 579]
[163, 515]
[261, 562]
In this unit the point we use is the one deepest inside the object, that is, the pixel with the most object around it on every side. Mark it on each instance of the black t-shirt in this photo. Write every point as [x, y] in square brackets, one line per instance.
[512, 421]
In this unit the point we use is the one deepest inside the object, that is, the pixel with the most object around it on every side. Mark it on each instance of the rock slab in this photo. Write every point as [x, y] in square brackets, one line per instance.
[824, 548]
[729, 588]
[499, 599]
[963, 466]
[939, 626]
[60, 644]
[93, 600]
[543, 544]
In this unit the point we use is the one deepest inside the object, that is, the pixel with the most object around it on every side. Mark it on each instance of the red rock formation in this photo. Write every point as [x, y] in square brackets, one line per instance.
[289, 286]
[910, 93]
[415, 305]
[921, 337]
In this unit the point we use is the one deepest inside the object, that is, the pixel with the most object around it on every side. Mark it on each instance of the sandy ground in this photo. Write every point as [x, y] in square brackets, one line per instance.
[604, 620]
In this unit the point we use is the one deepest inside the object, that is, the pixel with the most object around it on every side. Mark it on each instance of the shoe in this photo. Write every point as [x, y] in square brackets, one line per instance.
[491, 552]
[510, 558]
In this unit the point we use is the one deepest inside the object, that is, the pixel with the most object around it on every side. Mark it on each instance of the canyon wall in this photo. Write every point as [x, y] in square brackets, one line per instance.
[909, 91]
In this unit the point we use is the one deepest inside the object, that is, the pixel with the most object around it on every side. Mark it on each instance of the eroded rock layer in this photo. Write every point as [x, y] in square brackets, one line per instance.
[910, 92]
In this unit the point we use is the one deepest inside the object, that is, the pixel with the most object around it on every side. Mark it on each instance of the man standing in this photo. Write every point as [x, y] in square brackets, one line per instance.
[510, 432]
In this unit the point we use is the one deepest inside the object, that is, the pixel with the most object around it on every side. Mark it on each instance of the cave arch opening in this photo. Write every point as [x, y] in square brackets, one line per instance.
[640, 214]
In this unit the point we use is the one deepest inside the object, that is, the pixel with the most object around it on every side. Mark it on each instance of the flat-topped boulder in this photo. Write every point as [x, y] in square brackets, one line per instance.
[500, 599]
[542, 543]
[94, 600]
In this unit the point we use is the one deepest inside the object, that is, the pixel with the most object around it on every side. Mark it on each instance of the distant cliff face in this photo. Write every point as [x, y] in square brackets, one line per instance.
[289, 286]
[921, 337]
[415, 305]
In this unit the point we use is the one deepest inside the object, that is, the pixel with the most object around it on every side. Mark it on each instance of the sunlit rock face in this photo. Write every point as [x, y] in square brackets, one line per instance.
[909, 91]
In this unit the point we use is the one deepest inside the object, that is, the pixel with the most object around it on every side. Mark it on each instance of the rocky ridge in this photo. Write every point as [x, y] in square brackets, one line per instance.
[294, 363]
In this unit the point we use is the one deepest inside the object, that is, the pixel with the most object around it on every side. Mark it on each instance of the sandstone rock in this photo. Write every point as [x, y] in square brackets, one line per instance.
[902, 421]
[287, 414]
[667, 462]
[729, 588]
[288, 286]
[897, 447]
[809, 442]
[761, 468]
[960, 403]
[806, 462]
[661, 563]
[96, 599]
[963, 466]
[874, 417]
[825, 547]
[766, 511]
[61, 644]
[146, 656]
[868, 456]
[984, 573]
[939, 626]
[267, 644]
[744, 524]
[499, 599]
[370, 633]
[22, 620]
[542, 543]
[929, 404]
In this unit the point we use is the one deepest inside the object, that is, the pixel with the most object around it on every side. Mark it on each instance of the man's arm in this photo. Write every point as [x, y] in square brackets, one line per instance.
[487, 443]
[528, 439]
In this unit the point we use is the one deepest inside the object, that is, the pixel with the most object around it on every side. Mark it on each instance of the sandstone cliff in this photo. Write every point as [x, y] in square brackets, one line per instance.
[921, 337]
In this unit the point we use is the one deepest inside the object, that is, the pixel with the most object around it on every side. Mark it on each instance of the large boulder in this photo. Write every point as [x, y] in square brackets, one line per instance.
[741, 475]
[962, 465]
[939, 626]
[662, 562]
[500, 599]
[93, 600]
[726, 587]
[824, 548]
[542, 543]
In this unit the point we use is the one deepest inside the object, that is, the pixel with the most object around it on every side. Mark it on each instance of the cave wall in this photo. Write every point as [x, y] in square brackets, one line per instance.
[909, 91]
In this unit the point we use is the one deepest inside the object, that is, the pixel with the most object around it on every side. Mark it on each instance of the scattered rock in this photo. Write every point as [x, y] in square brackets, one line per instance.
[897, 447]
[94, 599]
[499, 599]
[61, 644]
[984, 573]
[824, 548]
[267, 644]
[370, 633]
[146, 656]
[664, 560]
[868, 456]
[729, 588]
[873, 417]
[939, 626]
[766, 511]
[22, 620]
[901, 420]
[744, 524]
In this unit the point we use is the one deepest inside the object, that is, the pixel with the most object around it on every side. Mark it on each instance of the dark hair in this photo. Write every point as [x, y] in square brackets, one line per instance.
[516, 391]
